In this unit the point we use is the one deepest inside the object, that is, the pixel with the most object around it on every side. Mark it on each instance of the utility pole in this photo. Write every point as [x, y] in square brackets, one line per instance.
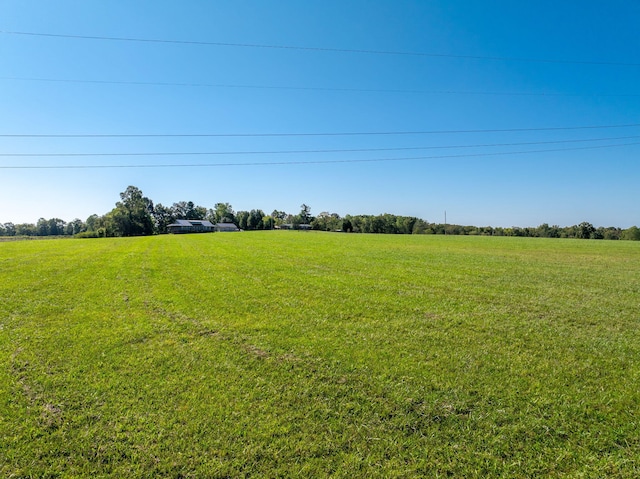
[445, 222]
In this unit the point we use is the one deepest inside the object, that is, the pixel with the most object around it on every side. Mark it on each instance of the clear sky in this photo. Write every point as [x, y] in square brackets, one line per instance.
[467, 68]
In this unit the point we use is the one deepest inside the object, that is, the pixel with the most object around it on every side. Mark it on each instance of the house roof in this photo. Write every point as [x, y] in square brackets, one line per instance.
[189, 223]
[202, 222]
[180, 223]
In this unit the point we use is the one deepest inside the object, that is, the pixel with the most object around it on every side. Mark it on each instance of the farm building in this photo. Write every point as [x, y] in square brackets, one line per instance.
[225, 227]
[191, 226]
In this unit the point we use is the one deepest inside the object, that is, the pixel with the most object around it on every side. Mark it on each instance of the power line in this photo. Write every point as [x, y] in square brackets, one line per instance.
[369, 133]
[312, 162]
[316, 89]
[314, 49]
[347, 150]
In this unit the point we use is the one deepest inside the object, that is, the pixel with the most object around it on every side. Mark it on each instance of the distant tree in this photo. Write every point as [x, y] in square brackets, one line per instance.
[74, 227]
[242, 219]
[326, 221]
[405, 224]
[294, 221]
[278, 214]
[268, 222]
[42, 227]
[420, 227]
[569, 232]
[585, 230]
[598, 233]
[199, 213]
[305, 214]
[191, 213]
[542, 231]
[377, 225]
[632, 234]
[187, 210]
[485, 230]
[9, 229]
[56, 226]
[459, 230]
[50, 227]
[180, 209]
[279, 217]
[162, 217]
[320, 222]
[223, 213]
[525, 232]
[92, 222]
[553, 231]
[102, 226]
[254, 221]
[210, 215]
[132, 216]
[26, 229]
[387, 223]
[612, 233]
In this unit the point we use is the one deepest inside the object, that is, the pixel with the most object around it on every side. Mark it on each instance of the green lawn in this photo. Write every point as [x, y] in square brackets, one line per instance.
[295, 354]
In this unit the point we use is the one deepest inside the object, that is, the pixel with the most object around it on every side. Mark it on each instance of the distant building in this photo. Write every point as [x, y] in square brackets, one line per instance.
[191, 226]
[225, 227]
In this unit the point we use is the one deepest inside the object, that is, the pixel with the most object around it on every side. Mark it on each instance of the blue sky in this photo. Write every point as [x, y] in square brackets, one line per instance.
[482, 67]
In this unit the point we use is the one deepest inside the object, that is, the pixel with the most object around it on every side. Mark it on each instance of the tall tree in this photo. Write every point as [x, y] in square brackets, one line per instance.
[42, 227]
[278, 217]
[242, 219]
[585, 230]
[9, 229]
[26, 229]
[305, 214]
[326, 221]
[268, 222]
[224, 213]
[74, 227]
[92, 222]
[132, 215]
[181, 210]
[254, 222]
[187, 210]
[163, 216]
[632, 233]
[56, 226]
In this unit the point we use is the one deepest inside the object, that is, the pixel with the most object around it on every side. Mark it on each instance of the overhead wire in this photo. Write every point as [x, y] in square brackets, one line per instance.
[310, 162]
[310, 151]
[309, 134]
[314, 49]
[316, 89]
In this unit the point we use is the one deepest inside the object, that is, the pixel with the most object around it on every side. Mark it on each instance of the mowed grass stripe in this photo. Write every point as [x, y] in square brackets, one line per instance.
[301, 354]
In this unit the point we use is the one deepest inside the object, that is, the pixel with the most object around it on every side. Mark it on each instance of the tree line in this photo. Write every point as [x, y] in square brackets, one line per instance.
[136, 215]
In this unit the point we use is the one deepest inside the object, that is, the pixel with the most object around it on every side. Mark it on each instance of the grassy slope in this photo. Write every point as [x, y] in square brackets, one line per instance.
[285, 353]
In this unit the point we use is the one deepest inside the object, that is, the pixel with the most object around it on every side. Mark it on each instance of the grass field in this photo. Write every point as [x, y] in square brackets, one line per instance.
[289, 354]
